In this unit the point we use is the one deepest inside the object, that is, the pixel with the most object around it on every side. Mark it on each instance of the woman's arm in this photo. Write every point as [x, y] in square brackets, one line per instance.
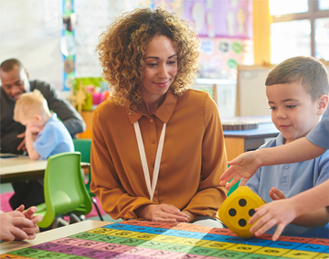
[210, 195]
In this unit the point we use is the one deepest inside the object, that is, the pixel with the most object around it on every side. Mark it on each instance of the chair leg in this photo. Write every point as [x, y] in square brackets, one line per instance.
[59, 222]
[99, 213]
[74, 218]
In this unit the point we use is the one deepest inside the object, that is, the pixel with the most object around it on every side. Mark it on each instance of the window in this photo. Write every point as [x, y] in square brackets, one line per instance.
[300, 27]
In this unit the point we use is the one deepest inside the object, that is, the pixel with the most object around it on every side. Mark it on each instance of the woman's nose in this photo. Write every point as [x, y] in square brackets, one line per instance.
[163, 71]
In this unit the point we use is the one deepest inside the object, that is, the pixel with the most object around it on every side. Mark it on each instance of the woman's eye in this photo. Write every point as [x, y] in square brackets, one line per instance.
[291, 106]
[272, 108]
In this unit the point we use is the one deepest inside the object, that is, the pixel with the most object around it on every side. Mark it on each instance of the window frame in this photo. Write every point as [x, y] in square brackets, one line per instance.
[313, 13]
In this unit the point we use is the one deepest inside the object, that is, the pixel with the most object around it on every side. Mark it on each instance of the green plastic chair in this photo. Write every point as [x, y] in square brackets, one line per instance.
[83, 146]
[64, 189]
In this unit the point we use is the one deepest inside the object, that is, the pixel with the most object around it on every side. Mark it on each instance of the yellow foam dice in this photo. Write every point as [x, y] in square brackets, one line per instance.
[238, 208]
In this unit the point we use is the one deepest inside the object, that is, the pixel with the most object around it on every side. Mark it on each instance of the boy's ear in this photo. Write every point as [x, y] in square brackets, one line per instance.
[37, 117]
[322, 103]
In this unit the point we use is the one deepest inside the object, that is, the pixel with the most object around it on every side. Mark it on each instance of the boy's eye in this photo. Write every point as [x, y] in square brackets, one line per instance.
[291, 106]
[273, 108]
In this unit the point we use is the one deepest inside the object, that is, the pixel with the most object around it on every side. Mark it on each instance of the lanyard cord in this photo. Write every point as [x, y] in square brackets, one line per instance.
[150, 188]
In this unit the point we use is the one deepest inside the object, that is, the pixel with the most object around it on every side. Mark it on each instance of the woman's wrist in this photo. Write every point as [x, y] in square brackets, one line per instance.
[144, 211]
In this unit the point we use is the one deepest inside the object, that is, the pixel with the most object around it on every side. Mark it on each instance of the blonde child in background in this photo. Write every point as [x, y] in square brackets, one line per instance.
[45, 136]
[297, 95]
[19, 224]
[282, 212]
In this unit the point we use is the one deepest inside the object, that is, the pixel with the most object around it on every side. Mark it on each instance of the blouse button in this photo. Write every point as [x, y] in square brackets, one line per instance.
[286, 166]
[154, 141]
[284, 179]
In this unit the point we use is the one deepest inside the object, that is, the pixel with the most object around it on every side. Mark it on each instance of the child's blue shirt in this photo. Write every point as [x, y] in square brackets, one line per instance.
[292, 179]
[53, 139]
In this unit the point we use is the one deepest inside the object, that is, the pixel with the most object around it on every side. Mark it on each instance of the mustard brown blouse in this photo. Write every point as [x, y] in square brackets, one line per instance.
[193, 157]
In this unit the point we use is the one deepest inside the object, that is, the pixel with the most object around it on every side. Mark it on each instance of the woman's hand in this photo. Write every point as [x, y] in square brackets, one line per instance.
[280, 212]
[162, 213]
[244, 166]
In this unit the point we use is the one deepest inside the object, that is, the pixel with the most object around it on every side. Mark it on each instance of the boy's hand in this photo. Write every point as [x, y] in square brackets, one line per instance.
[11, 226]
[30, 231]
[276, 194]
[21, 146]
[244, 166]
[279, 212]
[34, 129]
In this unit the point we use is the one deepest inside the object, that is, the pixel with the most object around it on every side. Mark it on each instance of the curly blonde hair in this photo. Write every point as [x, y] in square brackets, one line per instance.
[122, 48]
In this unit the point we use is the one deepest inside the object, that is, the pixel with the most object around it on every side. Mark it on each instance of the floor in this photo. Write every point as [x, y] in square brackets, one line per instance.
[6, 187]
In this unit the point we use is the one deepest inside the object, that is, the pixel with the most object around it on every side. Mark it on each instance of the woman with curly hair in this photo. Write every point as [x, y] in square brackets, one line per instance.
[157, 146]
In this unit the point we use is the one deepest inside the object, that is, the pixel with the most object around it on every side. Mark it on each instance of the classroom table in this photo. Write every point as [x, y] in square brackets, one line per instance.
[145, 240]
[53, 234]
[240, 141]
[21, 168]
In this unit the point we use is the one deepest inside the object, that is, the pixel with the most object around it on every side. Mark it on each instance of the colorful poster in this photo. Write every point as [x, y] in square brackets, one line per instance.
[214, 18]
[220, 57]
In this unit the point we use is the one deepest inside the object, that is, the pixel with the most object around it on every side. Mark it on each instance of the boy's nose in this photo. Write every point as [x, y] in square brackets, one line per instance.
[281, 114]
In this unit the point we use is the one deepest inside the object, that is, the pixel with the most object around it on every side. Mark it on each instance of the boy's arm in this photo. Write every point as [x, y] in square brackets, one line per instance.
[312, 219]
[245, 165]
[282, 212]
[29, 139]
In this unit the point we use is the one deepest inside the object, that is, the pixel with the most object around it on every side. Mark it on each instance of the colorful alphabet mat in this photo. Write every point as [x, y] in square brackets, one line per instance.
[143, 239]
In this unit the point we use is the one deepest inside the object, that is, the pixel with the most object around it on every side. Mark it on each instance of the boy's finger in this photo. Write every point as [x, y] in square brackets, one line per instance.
[29, 212]
[19, 234]
[278, 231]
[36, 219]
[227, 175]
[20, 208]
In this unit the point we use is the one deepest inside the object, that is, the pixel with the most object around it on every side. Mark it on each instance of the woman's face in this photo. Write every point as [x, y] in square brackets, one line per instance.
[160, 67]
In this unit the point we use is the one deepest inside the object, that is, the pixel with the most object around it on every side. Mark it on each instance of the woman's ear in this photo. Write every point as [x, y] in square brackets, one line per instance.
[322, 103]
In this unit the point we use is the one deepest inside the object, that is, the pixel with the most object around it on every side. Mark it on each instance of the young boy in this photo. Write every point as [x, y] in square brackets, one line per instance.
[19, 224]
[283, 211]
[297, 99]
[45, 136]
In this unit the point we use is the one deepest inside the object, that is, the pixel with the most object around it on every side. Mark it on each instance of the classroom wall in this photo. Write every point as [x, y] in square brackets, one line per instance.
[30, 31]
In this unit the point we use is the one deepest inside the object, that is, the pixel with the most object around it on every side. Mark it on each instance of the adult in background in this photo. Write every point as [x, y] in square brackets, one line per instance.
[15, 81]
[158, 148]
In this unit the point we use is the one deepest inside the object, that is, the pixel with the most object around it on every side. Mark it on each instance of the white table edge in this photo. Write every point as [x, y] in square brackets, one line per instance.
[53, 234]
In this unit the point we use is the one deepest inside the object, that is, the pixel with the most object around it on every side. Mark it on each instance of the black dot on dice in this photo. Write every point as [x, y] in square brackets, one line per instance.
[232, 212]
[242, 222]
[251, 212]
[242, 202]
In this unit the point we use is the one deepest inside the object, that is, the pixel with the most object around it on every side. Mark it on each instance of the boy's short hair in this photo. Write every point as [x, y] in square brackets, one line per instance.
[29, 104]
[310, 72]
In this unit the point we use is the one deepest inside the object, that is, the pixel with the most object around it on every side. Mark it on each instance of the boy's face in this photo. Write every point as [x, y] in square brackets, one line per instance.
[293, 112]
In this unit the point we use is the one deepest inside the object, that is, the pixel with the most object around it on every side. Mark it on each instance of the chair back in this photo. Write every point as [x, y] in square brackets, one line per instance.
[83, 146]
[64, 188]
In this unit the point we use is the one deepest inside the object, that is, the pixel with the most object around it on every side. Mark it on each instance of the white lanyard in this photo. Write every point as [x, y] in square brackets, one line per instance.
[150, 188]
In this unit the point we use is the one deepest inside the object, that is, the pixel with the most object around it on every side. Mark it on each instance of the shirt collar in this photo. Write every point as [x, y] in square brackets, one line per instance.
[164, 112]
